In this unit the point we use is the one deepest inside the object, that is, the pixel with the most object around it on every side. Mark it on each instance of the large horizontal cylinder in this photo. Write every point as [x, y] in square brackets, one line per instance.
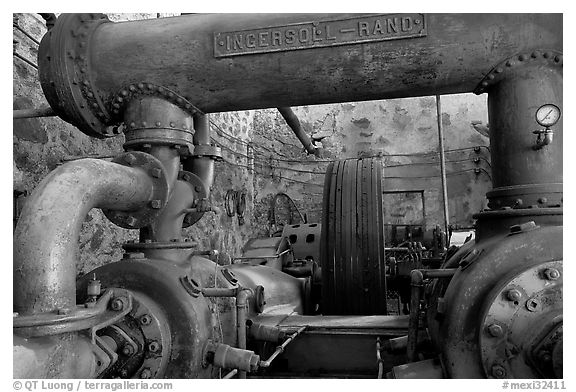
[179, 53]
[224, 62]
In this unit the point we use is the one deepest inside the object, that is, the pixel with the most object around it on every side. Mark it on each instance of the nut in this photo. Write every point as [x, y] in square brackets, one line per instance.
[551, 273]
[145, 373]
[117, 304]
[495, 330]
[514, 295]
[128, 350]
[154, 346]
[145, 319]
[498, 371]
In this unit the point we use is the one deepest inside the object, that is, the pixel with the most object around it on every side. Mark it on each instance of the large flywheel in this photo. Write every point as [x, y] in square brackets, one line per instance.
[352, 243]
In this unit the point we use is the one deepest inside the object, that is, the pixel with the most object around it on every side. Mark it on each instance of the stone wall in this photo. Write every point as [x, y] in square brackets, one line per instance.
[262, 157]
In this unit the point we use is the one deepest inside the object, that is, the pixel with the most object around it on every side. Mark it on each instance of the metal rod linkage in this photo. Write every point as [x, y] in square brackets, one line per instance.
[230, 374]
[280, 349]
[36, 112]
[417, 283]
[379, 358]
[443, 168]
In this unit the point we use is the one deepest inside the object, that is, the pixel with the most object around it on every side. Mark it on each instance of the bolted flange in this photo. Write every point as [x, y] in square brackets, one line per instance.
[504, 68]
[147, 213]
[63, 59]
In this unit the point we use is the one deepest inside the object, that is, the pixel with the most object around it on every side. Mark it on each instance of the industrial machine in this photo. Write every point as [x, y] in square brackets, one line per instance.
[311, 302]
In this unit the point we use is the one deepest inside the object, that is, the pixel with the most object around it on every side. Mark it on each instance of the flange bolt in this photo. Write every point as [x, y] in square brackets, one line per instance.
[551, 273]
[495, 330]
[128, 350]
[514, 295]
[154, 346]
[117, 304]
[498, 371]
[145, 373]
[145, 319]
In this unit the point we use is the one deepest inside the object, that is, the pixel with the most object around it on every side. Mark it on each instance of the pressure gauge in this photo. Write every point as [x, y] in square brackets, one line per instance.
[547, 115]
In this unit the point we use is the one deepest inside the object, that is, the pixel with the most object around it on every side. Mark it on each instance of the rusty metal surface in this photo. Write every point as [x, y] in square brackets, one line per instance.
[452, 58]
[427, 369]
[47, 234]
[519, 314]
[186, 319]
[522, 176]
[158, 195]
[304, 239]
[284, 293]
[484, 266]
[154, 120]
[274, 252]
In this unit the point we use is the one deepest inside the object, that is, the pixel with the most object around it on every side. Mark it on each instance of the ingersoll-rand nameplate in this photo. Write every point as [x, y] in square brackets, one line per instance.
[319, 34]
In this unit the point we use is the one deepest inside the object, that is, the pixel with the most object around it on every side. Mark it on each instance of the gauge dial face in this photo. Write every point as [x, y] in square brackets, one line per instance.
[547, 115]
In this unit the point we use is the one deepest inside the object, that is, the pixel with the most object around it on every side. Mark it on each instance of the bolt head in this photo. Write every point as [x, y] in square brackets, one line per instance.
[145, 373]
[145, 319]
[154, 347]
[495, 330]
[551, 273]
[156, 173]
[498, 371]
[128, 349]
[117, 304]
[514, 295]
[156, 204]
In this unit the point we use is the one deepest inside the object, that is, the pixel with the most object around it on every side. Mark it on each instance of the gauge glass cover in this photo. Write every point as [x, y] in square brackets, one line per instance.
[547, 115]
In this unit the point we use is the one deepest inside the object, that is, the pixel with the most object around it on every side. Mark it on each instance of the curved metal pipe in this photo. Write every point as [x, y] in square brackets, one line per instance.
[47, 234]
[294, 124]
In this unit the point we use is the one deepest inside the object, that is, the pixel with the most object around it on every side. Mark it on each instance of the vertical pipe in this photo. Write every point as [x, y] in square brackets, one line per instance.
[241, 315]
[442, 167]
[414, 319]
[203, 166]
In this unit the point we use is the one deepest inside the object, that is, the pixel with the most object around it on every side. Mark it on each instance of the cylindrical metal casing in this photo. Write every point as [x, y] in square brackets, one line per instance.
[228, 357]
[523, 176]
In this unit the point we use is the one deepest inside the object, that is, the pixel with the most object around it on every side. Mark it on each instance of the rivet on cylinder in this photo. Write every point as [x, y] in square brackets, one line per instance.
[141, 86]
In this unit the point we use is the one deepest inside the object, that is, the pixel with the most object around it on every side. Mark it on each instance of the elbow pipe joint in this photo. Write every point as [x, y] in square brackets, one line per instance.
[47, 234]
